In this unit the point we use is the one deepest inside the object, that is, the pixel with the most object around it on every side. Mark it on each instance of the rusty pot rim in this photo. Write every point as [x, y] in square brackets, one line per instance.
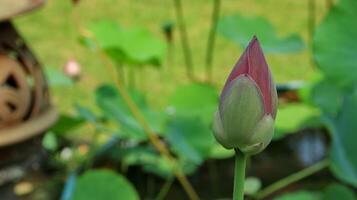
[29, 128]
[31, 5]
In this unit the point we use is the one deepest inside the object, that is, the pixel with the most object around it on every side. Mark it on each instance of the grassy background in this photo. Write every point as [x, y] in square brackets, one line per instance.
[52, 34]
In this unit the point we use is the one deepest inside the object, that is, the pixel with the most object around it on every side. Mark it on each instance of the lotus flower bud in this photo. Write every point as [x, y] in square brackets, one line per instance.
[248, 104]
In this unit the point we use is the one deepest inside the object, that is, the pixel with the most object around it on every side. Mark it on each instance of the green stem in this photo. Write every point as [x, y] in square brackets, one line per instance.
[211, 39]
[292, 179]
[184, 39]
[165, 188]
[132, 79]
[138, 115]
[170, 56]
[311, 26]
[121, 73]
[329, 4]
[311, 19]
[239, 175]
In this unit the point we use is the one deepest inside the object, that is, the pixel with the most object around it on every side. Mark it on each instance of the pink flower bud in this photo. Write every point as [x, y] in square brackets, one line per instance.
[253, 64]
[248, 104]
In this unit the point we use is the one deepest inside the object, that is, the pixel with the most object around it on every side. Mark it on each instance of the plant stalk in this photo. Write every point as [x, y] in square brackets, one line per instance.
[211, 39]
[329, 4]
[311, 20]
[184, 39]
[239, 175]
[132, 78]
[292, 179]
[165, 188]
[121, 73]
[153, 138]
[311, 27]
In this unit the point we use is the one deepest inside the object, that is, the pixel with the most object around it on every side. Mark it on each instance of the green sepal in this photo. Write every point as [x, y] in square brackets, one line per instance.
[240, 111]
[261, 136]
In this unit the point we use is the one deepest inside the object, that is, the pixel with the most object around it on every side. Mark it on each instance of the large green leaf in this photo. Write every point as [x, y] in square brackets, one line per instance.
[153, 162]
[327, 97]
[195, 100]
[300, 195]
[106, 34]
[142, 47]
[56, 77]
[107, 37]
[150, 160]
[104, 184]
[86, 114]
[331, 192]
[294, 116]
[114, 107]
[338, 191]
[344, 137]
[190, 138]
[129, 45]
[66, 123]
[306, 91]
[241, 29]
[335, 44]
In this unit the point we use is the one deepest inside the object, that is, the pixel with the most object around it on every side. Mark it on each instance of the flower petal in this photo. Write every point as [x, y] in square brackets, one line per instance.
[253, 63]
[241, 109]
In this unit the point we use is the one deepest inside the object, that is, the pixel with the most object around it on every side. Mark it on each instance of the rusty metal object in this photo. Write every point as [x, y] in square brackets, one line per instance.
[11, 8]
[25, 110]
[15, 93]
[24, 98]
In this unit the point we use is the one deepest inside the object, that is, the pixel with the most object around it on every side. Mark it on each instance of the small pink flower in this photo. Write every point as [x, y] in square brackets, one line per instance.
[72, 69]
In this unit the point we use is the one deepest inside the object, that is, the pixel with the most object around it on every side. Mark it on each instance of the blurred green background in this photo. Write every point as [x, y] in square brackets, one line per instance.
[99, 137]
[53, 35]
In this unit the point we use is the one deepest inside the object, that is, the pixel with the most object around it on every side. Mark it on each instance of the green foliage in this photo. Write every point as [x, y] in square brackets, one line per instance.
[240, 30]
[195, 99]
[300, 195]
[113, 106]
[335, 44]
[343, 150]
[49, 141]
[56, 77]
[338, 191]
[294, 116]
[196, 103]
[128, 45]
[190, 138]
[66, 123]
[106, 34]
[327, 97]
[103, 184]
[334, 50]
[332, 192]
[186, 126]
[252, 185]
[86, 114]
[147, 158]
